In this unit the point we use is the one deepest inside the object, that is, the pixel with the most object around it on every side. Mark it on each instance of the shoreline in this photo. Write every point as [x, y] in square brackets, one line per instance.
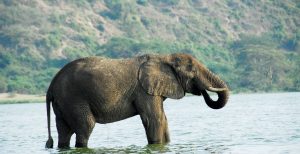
[14, 98]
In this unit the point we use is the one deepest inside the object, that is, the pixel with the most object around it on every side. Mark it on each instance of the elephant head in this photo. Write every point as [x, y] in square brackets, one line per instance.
[174, 75]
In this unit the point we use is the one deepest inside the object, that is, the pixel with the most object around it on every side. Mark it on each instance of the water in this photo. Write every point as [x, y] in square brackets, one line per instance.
[252, 123]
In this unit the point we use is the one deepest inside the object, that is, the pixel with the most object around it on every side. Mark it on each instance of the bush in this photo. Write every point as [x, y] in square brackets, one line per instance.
[73, 53]
[247, 41]
[119, 47]
[50, 42]
[5, 59]
[3, 85]
[57, 18]
[146, 22]
[124, 47]
[115, 9]
[167, 2]
[21, 84]
[100, 27]
[278, 31]
[142, 2]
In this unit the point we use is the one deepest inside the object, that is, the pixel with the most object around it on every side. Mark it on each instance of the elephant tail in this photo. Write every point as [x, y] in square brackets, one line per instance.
[49, 98]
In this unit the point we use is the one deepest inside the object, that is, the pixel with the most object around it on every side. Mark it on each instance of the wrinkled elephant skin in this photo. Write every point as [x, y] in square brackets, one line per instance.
[99, 90]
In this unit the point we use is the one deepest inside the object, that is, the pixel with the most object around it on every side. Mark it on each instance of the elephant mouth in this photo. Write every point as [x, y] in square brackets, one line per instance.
[195, 90]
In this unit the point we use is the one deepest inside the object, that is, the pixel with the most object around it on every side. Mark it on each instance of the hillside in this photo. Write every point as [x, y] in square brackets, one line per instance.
[252, 44]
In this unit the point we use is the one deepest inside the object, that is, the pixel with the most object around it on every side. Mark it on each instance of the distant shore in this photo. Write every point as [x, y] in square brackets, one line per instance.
[14, 98]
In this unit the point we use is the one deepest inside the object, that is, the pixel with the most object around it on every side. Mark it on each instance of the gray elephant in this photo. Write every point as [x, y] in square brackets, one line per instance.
[99, 90]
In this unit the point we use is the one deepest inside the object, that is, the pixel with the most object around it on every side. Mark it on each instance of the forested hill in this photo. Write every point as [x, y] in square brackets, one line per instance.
[252, 44]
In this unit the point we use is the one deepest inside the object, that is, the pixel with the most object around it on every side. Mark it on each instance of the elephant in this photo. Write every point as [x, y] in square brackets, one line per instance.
[101, 90]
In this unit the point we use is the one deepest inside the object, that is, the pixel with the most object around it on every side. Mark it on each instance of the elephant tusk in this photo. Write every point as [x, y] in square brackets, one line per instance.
[212, 89]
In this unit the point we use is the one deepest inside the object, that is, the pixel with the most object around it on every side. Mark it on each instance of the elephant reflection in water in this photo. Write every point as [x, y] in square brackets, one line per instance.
[99, 90]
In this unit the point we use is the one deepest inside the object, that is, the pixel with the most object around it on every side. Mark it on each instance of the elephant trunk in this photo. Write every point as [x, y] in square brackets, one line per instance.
[214, 84]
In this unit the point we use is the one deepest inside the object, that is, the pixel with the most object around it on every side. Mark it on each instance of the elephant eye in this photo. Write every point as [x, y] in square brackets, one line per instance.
[190, 67]
[177, 60]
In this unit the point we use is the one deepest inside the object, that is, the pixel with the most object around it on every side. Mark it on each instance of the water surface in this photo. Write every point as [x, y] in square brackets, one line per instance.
[249, 123]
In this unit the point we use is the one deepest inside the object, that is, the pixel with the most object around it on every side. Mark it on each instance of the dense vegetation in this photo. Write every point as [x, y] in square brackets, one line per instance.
[252, 44]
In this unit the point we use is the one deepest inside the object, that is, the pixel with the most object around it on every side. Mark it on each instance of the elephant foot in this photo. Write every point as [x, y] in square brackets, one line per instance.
[63, 146]
[164, 140]
[156, 142]
[80, 145]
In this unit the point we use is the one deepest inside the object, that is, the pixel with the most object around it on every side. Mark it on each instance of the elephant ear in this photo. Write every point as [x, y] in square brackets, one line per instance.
[158, 79]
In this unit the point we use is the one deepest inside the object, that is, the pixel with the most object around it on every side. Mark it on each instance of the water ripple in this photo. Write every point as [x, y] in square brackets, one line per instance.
[252, 123]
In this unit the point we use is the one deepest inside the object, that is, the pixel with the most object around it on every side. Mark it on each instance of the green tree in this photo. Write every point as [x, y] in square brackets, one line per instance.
[262, 69]
[3, 85]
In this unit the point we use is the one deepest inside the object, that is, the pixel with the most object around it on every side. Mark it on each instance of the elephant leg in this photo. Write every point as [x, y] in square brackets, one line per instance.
[83, 124]
[156, 129]
[166, 132]
[154, 121]
[64, 133]
[83, 132]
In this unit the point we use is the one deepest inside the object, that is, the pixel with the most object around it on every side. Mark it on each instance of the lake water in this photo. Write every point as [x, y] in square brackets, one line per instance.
[249, 123]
